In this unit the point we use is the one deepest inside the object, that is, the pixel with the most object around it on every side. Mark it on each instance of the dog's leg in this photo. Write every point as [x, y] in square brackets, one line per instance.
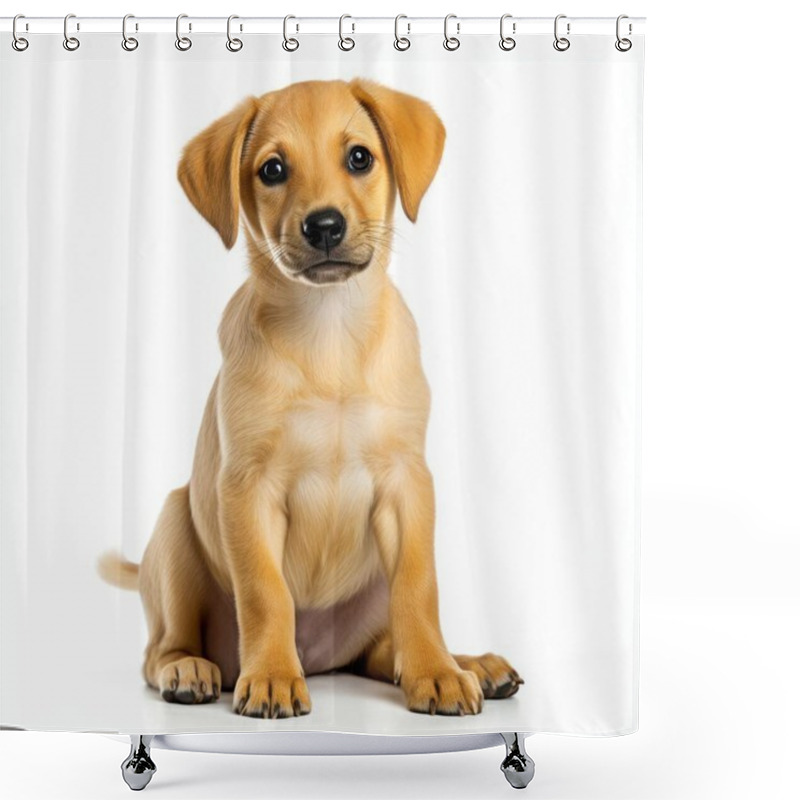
[377, 660]
[403, 522]
[254, 524]
[173, 584]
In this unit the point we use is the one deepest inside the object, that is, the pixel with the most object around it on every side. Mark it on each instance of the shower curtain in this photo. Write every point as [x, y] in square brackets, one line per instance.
[463, 223]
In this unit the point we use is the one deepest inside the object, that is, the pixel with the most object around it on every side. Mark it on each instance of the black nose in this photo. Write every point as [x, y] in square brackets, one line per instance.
[324, 229]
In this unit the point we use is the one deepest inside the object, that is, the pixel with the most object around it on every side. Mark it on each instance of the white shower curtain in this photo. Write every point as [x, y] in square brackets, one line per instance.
[522, 272]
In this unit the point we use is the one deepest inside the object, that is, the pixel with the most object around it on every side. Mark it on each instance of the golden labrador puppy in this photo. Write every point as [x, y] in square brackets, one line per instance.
[304, 540]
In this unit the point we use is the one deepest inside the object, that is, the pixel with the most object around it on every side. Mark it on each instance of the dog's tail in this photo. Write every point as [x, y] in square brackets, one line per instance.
[115, 570]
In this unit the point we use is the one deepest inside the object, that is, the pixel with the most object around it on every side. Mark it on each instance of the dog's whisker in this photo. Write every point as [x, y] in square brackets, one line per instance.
[378, 223]
[308, 296]
[361, 292]
[352, 117]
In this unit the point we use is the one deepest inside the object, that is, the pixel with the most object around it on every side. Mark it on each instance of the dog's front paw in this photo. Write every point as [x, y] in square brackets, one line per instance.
[190, 680]
[447, 690]
[271, 696]
[497, 677]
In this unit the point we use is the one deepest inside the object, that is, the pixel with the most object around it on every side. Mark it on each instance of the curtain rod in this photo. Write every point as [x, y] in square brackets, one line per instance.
[325, 25]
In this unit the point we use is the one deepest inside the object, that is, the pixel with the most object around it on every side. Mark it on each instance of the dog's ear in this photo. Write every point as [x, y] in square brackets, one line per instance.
[209, 169]
[413, 135]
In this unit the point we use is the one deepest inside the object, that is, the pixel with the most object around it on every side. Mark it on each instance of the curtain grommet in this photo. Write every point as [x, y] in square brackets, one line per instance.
[290, 44]
[346, 43]
[561, 43]
[401, 43]
[451, 43]
[623, 44]
[234, 45]
[71, 43]
[507, 43]
[19, 43]
[129, 43]
[183, 43]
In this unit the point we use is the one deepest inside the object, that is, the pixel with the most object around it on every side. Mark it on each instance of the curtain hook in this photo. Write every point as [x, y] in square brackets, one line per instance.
[507, 42]
[451, 42]
[561, 43]
[622, 44]
[19, 43]
[290, 44]
[233, 44]
[401, 42]
[345, 42]
[182, 42]
[71, 43]
[129, 43]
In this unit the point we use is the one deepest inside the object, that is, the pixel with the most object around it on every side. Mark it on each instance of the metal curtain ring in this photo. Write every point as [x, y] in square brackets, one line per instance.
[345, 42]
[401, 42]
[129, 43]
[70, 42]
[233, 44]
[507, 42]
[451, 42]
[290, 44]
[622, 44]
[19, 43]
[561, 43]
[181, 42]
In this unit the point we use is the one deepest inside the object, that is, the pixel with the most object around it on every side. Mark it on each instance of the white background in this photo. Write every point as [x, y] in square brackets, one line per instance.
[721, 473]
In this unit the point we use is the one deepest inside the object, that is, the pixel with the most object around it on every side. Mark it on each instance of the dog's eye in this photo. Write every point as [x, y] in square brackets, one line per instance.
[359, 159]
[273, 171]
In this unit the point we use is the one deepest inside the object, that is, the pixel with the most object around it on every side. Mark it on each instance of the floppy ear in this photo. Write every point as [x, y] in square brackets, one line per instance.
[209, 169]
[413, 135]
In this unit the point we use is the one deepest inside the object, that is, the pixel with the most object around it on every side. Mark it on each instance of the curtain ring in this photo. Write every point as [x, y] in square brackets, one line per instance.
[507, 42]
[233, 44]
[345, 42]
[19, 43]
[451, 42]
[129, 43]
[290, 44]
[70, 42]
[401, 42]
[561, 43]
[622, 44]
[183, 43]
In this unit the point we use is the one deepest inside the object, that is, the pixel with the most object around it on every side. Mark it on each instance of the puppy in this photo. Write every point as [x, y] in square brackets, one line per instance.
[304, 539]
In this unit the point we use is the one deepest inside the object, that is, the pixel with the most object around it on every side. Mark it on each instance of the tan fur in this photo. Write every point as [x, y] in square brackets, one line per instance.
[117, 571]
[309, 477]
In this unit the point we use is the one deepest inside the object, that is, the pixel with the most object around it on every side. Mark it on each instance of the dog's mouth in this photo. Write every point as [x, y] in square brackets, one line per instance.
[333, 271]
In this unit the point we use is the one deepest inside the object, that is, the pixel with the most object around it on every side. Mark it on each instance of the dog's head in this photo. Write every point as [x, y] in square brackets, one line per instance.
[314, 169]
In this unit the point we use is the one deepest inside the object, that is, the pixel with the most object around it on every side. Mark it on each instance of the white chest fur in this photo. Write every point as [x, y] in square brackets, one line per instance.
[331, 451]
[351, 404]
[326, 432]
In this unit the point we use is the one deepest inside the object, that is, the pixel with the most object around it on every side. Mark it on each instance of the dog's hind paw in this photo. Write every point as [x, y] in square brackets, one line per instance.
[497, 677]
[190, 680]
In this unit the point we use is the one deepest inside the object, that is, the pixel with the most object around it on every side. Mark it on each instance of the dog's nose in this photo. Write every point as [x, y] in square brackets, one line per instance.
[324, 229]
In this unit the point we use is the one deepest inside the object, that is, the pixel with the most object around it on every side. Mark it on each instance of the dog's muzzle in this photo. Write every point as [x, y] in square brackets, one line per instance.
[332, 271]
[324, 229]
